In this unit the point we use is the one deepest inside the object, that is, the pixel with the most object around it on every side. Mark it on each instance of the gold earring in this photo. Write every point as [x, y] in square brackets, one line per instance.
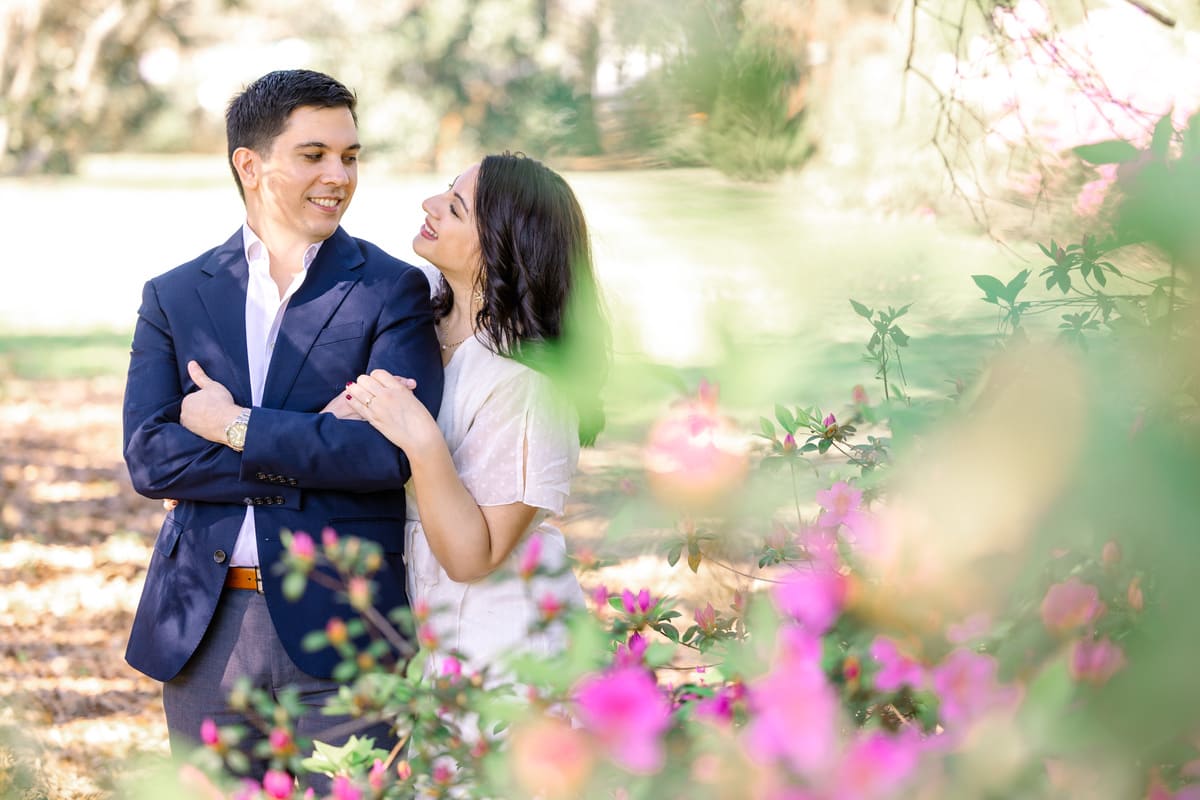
[477, 296]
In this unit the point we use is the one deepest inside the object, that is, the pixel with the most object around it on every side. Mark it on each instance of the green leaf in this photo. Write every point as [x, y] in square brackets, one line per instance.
[785, 418]
[1114, 151]
[314, 641]
[768, 427]
[861, 310]
[1015, 286]
[294, 584]
[992, 287]
[899, 337]
[1163, 131]
[668, 630]
[674, 553]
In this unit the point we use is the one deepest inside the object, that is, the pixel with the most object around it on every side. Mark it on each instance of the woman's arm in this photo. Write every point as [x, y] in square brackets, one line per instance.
[468, 540]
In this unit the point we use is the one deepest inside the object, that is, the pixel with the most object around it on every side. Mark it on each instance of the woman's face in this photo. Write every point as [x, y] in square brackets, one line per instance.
[448, 238]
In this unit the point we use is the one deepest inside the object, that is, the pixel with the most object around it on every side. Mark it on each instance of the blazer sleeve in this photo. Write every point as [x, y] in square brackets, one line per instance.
[320, 451]
[164, 458]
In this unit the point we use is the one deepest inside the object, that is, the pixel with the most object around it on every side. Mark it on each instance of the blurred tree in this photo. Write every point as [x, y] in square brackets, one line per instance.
[69, 76]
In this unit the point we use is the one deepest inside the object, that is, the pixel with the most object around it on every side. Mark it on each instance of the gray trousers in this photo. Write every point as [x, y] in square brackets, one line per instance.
[241, 642]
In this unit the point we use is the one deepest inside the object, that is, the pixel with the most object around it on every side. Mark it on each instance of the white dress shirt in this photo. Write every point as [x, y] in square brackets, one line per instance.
[264, 313]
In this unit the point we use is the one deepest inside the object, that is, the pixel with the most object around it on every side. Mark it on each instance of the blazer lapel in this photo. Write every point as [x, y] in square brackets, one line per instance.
[224, 297]
[330, 277]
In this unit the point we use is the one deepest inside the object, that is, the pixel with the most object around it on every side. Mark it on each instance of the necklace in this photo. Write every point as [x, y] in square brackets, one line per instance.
[455, 344]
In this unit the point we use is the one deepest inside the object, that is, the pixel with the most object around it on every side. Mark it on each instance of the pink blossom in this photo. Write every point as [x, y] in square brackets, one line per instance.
[420, 610]
[973, 627]
[708, 393]
[443, 772]
[895, 668]
[793, 708]
[631, 654]
[821, 546]
[358, 590]
[859, 395]
[248, 789]
[303, 546]
[812, 597]
[550, 606]
[789, 443]
[600, 596]
[876, 766]
[829, 420]
[280, 741]
[530, 557]
[717, 709]
[427, 637]
[377, 775]
[695, 458]
[344, 789]
[966, 683]
[706, 619]
[451, 668]
[636, 605]
[277, 784]
[210, 735]
[329, 538]
[1096, 662]
[841, 503]
[403, 770]
[626, 710]
[1071, 604]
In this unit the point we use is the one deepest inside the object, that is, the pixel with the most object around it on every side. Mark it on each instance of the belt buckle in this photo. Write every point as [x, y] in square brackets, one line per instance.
[258, 583]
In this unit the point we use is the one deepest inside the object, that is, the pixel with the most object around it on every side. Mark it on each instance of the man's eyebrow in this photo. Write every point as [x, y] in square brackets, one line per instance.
[463, 201]
[323, 146]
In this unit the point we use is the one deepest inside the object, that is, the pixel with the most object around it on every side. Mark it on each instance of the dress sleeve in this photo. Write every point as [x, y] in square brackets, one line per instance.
[522, 446]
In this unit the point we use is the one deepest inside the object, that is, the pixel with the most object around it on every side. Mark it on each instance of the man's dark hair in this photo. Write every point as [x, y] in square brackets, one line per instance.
[260, 112]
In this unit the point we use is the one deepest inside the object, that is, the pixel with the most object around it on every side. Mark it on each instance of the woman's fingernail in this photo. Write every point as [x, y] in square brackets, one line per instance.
[349, 384]
[349, 397]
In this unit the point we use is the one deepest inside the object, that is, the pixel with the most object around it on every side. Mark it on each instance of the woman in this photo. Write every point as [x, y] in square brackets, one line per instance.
[517, 309]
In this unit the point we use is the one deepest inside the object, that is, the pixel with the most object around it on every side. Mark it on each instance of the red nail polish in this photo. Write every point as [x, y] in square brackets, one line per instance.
[348, 397]
[349, 384]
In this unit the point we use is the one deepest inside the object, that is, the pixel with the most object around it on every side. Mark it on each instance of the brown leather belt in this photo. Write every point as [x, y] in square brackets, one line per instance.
[244, 578]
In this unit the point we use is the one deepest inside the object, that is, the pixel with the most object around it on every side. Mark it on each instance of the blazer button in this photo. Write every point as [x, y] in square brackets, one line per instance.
[278, 500]
[262, 476]
[219, 556]
[248, 501]
[258, 501]
[291, 481]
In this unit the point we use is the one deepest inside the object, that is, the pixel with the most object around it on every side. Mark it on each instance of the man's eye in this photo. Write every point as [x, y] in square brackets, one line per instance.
[313, 156]
[350, 159]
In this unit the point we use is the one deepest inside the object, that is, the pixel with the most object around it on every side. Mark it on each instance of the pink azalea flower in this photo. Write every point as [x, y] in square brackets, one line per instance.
[626, 711]
[876, 766]
[706, 619]
[451, 668]
[329, 538]
[358, 591]
[895, 669]
[600, 596]
[859, 395]
[247, 790]
[717, 709]
[841, 503]
[550, 606]
[631, 654]
[443, 772]
[829, 420]
[280, 741]
[793, 708]
[530, 557]
[966, 683]
[812, 597]
[1096, 662]
[210, 735]
[973, 627]
[277, 784]
[344, 789]
[403, 770]
[821, 545]
[637, 605]
[789, 443]
[1070, 605]
[377, 775]
[303, 546]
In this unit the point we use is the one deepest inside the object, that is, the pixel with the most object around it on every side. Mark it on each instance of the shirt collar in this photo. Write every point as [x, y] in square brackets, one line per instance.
[256, 251]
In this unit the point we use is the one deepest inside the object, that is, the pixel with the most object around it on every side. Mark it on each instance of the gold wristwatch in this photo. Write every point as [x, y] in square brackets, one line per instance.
[235, 432]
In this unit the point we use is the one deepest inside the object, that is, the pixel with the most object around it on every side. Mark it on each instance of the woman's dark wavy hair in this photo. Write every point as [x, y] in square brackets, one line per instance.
[541, 304]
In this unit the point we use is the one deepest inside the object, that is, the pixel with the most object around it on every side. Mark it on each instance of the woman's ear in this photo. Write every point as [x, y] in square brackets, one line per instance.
[248, 166]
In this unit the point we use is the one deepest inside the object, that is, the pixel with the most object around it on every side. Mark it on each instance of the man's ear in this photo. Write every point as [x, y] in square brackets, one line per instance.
[248, 166]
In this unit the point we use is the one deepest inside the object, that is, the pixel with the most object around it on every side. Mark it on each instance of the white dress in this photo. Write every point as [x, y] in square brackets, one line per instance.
[513, 438]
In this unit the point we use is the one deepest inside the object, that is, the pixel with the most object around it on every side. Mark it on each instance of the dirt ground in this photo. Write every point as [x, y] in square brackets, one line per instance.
[74, 543]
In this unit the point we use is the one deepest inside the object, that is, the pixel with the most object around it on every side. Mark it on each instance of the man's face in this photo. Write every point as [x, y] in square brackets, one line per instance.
[304, 182]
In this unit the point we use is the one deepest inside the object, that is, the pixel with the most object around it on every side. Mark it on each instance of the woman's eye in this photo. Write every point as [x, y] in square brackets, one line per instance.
[454, 211]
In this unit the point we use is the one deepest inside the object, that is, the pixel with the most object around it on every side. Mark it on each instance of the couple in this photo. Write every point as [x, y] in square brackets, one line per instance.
[296, 378]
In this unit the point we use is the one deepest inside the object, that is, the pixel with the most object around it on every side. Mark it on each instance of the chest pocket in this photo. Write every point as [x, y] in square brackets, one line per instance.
[340, 333]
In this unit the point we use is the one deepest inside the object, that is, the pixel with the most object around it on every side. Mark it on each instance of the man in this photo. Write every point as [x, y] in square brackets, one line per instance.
[284, 314]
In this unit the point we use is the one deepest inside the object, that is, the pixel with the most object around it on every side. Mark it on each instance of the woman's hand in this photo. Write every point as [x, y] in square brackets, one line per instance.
[207, 411]
[387, 402]
[339, 406]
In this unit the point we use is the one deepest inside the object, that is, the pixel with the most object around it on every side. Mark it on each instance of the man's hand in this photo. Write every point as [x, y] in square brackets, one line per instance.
[339, 406]
[207, 411]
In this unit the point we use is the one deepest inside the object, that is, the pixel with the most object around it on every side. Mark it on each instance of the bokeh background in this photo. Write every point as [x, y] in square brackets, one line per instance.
[747, 167]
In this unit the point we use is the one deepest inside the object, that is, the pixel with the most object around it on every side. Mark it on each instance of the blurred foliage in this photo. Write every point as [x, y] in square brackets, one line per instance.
[720, 82]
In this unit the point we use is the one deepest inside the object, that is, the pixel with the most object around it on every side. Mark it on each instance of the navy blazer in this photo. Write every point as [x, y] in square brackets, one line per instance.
[358, 309]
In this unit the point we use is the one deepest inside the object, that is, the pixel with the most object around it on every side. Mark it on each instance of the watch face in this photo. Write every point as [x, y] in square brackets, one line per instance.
[236, 434]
